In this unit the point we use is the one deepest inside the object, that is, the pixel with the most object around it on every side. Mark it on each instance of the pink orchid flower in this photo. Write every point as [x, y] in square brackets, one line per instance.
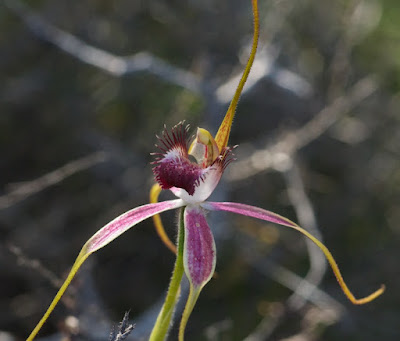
[192, 182]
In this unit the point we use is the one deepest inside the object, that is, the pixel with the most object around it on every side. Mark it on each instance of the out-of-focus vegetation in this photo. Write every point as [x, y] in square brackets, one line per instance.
[315, 56]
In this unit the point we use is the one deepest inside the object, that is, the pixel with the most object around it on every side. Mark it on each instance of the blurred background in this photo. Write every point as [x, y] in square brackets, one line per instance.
[86, 85]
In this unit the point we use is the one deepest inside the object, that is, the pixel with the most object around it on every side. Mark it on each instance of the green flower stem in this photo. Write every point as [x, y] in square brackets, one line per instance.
[191, 302]
[83, 255]
[162, 324]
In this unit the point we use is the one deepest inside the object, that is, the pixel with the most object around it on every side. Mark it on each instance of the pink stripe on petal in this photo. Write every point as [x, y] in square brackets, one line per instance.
[262, 214]
[199, 248]
[250, 211]
[127, 220]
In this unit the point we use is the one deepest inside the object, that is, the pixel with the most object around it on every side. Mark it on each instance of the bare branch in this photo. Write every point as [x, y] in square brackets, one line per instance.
[213, 331]
[34, 264]
[330, 115]
[23, 190]
[124, 329]
[254, 256]
[108, 62]
[144, 61]
[292, 281]
[264, 67]
[276, 155]
[306, 217]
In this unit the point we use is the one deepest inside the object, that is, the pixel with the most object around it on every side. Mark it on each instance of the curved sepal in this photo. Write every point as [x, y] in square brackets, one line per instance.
[103, 237]
[262, 214]
[125, 221]
[224, 130]
[154, 194]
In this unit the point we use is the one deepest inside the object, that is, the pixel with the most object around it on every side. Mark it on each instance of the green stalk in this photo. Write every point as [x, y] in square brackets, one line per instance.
[163, 322]
[191, 302]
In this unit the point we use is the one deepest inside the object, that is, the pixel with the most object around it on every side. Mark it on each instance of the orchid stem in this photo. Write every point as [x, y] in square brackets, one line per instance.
[163, 321]
[191, 302]
[83, 255]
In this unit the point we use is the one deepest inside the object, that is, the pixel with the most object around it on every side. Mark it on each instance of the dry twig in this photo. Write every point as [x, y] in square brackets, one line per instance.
[277, 154]
[123, 330]
[24, 190]
[36, 265]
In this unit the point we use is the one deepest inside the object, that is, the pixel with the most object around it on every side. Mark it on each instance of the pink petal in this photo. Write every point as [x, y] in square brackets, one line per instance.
[199, 248]
[259, 213]
[125, 221]
[250, 211]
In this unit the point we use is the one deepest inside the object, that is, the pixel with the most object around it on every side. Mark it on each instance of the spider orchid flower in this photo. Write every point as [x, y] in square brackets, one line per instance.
[191, 173]
[193, 183]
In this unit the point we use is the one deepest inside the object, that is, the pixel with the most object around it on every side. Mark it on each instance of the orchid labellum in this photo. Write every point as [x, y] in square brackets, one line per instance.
[191, 170]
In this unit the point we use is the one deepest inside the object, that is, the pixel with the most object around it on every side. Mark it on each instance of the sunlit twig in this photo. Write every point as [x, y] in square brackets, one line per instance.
[306, 217]
[23, 190]
[144, 61]
[273, 155]
[106, 61]
[34, 264]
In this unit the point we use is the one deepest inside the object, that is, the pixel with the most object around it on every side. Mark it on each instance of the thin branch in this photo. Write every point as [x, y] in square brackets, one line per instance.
[213, 331]
[306, 217]
[304, 289]
[340, 67]
[252, 254]
[34, 264]
[265, 67]
[106, 61]
[291, 281]
[144, 61]
[276, 155]
[24, 190]
[123, 330]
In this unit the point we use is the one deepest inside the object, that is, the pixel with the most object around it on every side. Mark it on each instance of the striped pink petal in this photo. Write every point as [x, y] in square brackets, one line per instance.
[250, 211]
[262, 214]
[199, 248]
[127, 220]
